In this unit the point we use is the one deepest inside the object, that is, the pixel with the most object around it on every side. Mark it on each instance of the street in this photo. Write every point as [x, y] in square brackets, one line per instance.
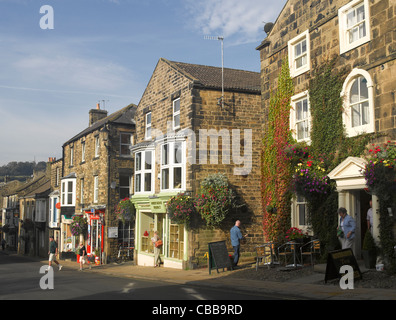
[20, 280]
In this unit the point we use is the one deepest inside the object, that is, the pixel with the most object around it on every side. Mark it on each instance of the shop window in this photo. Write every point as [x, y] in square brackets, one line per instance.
[176, 241]
[126, 234]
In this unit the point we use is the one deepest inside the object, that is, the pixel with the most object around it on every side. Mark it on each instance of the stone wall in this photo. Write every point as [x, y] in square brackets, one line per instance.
[377, 56]
[200, 110]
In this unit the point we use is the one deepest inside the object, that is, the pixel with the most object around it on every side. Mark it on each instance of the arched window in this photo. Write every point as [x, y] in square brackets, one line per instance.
[358, 114]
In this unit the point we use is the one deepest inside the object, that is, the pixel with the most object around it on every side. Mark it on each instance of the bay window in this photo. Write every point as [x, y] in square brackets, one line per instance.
[144, 167]
[172, 166]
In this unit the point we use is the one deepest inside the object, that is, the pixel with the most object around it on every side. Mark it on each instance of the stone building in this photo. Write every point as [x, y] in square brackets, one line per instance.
[179, 119]
[360, 34]
[97, 172]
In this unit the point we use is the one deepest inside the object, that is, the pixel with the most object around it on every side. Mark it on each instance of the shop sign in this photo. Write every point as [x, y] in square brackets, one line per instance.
[112, 232]
[157, 206]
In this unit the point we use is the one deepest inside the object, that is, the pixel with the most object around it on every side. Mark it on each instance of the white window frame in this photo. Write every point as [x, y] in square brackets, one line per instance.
[82, 191]
[347, 114]
[171, 164]
[147, 132]
[293, 116]
[343, 25]
[97, 146]
[96, 189]
[142, 171]
[71, 156]
[82, 151]
[66, 190]
[175, 113]
[295, 214]
[53, 212]
[294, 71]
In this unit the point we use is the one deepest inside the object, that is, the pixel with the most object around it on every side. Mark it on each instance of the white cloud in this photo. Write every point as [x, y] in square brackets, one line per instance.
[241, 20]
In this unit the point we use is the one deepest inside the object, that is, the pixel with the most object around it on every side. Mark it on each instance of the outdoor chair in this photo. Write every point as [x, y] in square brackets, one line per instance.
[265, 254]
[311, 249]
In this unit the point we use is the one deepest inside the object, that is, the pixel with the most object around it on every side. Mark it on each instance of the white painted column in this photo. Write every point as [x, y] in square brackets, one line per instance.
[376, 219]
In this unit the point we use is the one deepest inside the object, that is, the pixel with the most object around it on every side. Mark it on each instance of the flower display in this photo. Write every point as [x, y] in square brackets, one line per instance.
[379, 172]
[215, 199]
[79, 226]
[125, 210]
[180, 208]
[310, 178]
[295, 233]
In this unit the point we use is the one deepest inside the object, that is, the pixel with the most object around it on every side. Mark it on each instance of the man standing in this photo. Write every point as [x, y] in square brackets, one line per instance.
[236, 236]
[370, 217]
[53, 251]
[348, 226]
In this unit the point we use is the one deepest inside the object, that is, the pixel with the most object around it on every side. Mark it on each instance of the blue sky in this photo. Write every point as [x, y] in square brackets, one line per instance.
[106, 50]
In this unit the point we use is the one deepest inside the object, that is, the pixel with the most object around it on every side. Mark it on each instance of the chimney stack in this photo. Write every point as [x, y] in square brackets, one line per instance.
[96, 114]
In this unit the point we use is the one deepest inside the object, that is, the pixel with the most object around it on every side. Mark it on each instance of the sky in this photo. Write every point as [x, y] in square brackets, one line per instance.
[57, 64]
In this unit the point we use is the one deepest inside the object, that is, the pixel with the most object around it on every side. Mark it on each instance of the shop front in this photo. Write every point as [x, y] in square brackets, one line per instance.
[95, 233]
[151, 216]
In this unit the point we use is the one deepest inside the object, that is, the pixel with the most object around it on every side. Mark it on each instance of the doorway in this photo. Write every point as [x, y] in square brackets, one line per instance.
[358, 210]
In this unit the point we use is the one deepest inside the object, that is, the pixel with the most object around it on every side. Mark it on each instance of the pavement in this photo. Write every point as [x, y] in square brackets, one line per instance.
[302, 288]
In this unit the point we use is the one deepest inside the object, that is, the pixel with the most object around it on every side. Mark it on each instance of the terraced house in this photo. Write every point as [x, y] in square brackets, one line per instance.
[185, 131]
[97, 172]
[356, 40]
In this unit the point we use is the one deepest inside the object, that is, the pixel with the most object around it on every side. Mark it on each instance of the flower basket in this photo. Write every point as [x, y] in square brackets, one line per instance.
[79, 226]
[296, 234]
[181, 209]
[380, 171]
[215, 199]
[125, 210]
[310, 179]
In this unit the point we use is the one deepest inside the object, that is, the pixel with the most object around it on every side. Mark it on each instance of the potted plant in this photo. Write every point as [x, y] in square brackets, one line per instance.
[369, 251]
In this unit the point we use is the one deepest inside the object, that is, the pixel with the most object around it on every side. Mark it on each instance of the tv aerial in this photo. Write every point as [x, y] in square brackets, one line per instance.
[220, 38]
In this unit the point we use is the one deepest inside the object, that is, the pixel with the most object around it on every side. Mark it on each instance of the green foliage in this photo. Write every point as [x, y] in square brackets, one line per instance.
[369, 243]
[15, 168]
[181, 209]
[79, 225]
[215, 200]
[380, 174]
[275, 168]
[125, 210]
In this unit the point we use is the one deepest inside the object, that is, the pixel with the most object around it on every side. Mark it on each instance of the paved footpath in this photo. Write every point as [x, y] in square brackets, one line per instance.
[302, 288]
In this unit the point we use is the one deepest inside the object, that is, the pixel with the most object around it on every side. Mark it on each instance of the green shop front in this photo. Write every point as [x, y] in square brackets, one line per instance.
[151, 216]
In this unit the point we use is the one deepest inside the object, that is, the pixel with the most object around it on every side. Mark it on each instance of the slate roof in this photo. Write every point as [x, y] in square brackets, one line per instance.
[125, 115]
[210, 77]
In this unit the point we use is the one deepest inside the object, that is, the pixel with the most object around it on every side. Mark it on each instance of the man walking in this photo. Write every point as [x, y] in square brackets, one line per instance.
[236, 237]
[53, 251]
